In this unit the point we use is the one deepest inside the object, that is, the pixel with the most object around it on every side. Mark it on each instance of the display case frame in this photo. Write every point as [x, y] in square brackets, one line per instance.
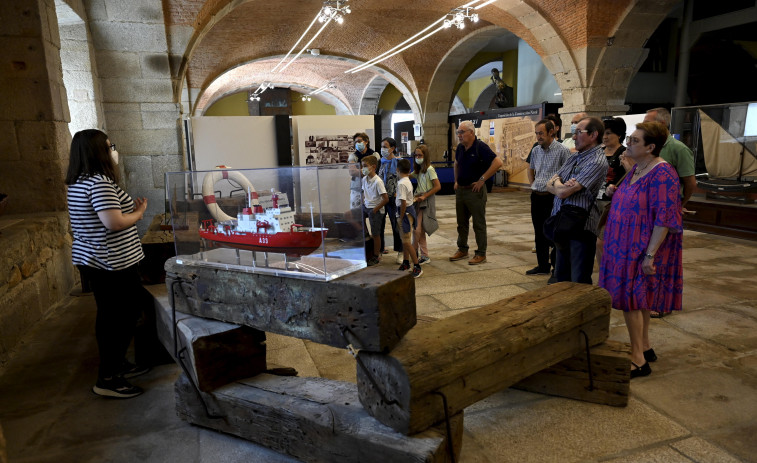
[297, 222]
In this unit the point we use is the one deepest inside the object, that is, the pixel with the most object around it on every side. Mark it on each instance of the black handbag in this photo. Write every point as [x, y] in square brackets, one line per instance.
[568, 223]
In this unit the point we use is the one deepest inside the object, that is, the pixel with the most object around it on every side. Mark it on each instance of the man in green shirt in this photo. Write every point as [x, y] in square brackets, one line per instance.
[676, 154]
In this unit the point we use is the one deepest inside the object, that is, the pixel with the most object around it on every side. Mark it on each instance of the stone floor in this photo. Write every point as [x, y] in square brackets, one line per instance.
[700, 404]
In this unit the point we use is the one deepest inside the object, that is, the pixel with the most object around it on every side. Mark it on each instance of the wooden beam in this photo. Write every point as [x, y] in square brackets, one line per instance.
[375, 305]
[214, 353]
[469, 356]
[312, 419]
[610, 369]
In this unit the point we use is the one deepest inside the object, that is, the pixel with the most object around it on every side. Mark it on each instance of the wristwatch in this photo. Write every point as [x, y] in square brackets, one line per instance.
[482, 179]
[649, 256]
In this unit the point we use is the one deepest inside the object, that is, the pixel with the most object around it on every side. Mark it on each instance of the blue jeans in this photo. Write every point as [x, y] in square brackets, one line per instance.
[391, 212]
[574, 260]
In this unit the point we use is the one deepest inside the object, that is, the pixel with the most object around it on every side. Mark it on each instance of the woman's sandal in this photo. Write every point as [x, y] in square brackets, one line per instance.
[655, 314]
[643, 370]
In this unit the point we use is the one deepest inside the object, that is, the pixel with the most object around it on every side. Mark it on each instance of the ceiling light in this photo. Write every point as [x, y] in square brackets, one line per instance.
[332, 10]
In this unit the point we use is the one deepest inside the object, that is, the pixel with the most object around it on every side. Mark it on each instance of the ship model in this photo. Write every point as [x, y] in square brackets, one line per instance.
[267, 227]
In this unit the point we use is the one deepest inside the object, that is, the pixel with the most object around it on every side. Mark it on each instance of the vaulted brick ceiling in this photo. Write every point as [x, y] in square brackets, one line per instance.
[260, 32]
[251, 36]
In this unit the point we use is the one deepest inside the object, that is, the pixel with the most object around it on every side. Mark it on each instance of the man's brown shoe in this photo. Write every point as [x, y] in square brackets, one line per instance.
[477, 259]
[458, 255]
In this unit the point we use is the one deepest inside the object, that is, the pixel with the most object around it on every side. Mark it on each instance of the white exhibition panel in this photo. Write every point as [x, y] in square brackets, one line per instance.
[305, 127]
[631, 120]
[242, 142]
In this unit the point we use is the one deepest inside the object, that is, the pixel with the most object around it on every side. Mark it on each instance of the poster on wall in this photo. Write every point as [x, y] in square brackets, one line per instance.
[327, 140]
[328, 149]
[511, 136]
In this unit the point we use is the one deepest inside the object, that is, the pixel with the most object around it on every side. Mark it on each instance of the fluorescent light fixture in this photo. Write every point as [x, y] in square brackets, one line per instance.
[456, 17]
[484, 4]
[320, 89]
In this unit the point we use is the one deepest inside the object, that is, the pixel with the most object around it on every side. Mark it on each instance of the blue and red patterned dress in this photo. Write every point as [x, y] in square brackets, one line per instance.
[653, 200]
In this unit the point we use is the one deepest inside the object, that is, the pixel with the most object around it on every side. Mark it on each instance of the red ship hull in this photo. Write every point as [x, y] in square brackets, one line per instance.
[298, 243]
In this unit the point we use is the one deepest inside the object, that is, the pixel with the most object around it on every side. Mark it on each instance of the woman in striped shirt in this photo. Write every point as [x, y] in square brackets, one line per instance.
[106, 249]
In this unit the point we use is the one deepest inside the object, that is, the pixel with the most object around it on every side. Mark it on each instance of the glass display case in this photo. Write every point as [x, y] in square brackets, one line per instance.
[723, 139]
[300, 222]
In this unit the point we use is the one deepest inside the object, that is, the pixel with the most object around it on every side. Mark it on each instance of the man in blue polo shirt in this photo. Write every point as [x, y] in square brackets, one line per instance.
[475, 163]
[577, 184]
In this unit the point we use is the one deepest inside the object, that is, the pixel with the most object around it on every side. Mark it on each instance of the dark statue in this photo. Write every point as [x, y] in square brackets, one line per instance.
[504, 97]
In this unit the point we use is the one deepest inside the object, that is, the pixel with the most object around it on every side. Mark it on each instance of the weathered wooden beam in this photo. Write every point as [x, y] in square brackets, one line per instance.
[312, 419]
[469, 356]
[214, 353]
[610, 370]
[376, 306]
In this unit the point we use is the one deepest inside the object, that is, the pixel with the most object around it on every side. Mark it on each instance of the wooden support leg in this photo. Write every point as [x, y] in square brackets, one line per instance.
[312, 419]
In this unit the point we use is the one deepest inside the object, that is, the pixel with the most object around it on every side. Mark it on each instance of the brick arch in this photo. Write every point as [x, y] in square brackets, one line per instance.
[613, 60]
[311, 72]
[441, 90]
[371, 95]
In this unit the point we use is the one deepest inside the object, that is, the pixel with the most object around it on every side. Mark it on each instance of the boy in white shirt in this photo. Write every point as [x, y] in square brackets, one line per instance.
[406, 216]
[375, 197]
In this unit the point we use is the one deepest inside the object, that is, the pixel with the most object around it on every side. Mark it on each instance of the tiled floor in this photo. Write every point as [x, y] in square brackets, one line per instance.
[700, 404]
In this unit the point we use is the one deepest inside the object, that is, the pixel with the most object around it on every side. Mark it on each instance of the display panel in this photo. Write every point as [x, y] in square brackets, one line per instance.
[275, 221]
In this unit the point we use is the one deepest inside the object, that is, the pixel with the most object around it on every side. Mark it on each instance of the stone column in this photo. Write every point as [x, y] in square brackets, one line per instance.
[141, 116]
[599, 85]
[34, 137]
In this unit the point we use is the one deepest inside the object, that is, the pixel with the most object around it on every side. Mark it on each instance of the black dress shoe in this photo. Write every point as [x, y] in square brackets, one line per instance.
[649, 355]
[643, 370]
[537, 271]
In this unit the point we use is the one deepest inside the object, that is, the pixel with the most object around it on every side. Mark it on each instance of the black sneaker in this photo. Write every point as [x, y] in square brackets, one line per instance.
[373, 261]
[130, 370]
[537, 271]
[405, 266]
[116, 387]
[552, 280]
[417, 271]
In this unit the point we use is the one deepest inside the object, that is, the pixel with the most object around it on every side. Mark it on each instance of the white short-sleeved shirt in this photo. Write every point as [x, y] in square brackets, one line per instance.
[373, 188]
[404, 191]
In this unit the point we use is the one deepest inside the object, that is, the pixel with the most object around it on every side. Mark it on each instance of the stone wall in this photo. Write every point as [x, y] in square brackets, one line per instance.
[36, 274]
[141, 116]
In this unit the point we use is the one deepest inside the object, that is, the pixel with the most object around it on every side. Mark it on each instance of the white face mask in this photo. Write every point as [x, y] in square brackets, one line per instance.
[366, 171]
[114, 156]
[573, 128]
[360, 146]
[385, 152]
[419, 161]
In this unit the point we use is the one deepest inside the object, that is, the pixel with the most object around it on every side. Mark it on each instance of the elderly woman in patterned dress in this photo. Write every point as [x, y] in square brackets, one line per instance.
[641, 266]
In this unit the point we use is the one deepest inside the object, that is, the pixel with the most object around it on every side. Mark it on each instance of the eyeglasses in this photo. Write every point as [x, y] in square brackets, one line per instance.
[581, 131]
[460, 132]
[632, 141]
[113, 147]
